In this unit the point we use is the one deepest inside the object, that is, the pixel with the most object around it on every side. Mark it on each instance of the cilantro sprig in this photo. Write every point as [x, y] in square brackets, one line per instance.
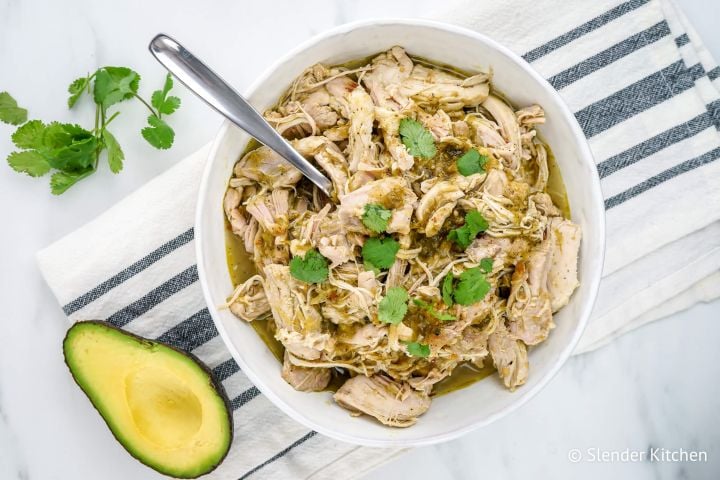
[417, 139]
[379, 252]
[393, 306]
[68, 149]
[158, 133]
[72, 152]
[442, 316]
[475, 224]
[486, 265]
[376, 217]
[415, 349]
[470, 287]
[312, 268]
[471, 162]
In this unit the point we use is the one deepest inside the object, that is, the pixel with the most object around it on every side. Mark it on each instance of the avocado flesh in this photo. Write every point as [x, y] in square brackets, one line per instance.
[161, 404]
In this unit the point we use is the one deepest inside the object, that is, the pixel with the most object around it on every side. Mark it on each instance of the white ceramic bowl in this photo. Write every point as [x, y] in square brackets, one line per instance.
[459, 412]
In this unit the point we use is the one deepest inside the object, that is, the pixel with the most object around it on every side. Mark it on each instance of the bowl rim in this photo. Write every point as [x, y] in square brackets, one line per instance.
[585, 311]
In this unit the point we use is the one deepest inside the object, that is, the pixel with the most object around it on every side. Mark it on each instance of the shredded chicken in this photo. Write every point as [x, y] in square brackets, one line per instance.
[305, 379]
[509, 356]
[437, 205]
[249, 302]
[393, 193]
[267, 168]
[395, 404]
[477, 208]
[562, 277]
[329, 158]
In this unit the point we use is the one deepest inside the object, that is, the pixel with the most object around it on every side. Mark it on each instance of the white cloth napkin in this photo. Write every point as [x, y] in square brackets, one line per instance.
[646, 94]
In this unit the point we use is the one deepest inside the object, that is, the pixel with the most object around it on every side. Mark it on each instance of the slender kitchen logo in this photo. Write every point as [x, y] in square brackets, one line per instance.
[627, 455]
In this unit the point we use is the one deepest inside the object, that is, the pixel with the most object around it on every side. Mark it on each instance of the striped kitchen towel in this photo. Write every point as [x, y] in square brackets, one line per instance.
[645, 92]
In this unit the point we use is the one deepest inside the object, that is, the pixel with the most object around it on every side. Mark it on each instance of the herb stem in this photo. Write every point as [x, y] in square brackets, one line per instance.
[89, 79]
[99, 135]
[112, 117]
[97, 119]
[147, 105]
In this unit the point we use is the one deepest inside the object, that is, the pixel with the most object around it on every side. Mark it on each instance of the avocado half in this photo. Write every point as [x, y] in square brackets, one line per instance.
[160, 403]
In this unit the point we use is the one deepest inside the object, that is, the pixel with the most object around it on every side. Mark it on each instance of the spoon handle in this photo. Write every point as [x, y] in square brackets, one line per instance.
[207, 85]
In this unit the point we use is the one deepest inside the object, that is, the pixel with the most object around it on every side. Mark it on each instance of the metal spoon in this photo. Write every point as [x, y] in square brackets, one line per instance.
[207, 85]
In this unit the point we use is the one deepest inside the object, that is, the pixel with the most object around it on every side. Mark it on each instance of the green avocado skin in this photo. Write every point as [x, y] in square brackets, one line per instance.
[212, 387]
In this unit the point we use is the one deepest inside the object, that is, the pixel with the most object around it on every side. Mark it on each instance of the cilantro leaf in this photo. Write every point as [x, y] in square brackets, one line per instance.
[114, 152]
[169, 106]
[58, 135]
[61, 181]
[30, 162]
[471, 162]
[416, 349]
[9, 110]
[69, 147]
[442, 316]
[115, 84]
[158, 134]
[312, 268]
[165, 105]
[471, 287]
[393, 306]
[417, 139]
[475, 223]
[76, 89]
[447, 290]
[30, 135]
[461, 236]
[380, 252]
[486, 265]
[159, 95]
[371, 268]
[76, 156]
[375, 217]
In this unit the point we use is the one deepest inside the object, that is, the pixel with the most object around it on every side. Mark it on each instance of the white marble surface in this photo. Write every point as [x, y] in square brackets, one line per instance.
[654, 387]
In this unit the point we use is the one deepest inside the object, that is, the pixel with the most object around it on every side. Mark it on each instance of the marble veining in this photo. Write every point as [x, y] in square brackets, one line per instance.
[654, 387]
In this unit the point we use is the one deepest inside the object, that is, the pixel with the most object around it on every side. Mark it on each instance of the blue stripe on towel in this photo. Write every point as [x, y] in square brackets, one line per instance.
[583, 29]
[662, 177]
[129, 272]
[610, 55]
[280, 454]
[638, 97]
[168, 288]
